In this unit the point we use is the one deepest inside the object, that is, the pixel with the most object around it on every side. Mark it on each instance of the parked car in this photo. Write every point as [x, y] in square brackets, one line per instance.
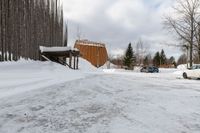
[150, 69]
[192, 73]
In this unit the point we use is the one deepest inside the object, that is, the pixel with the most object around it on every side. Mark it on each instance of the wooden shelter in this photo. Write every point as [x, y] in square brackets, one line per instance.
[62, 55]
[93, 52]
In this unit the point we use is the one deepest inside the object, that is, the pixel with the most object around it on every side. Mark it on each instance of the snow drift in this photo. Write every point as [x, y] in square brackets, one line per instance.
[25, 75]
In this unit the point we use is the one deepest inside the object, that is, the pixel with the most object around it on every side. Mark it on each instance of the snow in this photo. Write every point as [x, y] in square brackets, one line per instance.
[182, 67]
[84, 65]
[22, 76]
[108, 65]
[90, 43]
[25, 75]
[49, 98]
[57, 49]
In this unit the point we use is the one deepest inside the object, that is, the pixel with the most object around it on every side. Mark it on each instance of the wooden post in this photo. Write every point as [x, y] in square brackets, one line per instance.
[77, 60]
[74, 62]
[40, 58]
[70, 59]
[64, 60]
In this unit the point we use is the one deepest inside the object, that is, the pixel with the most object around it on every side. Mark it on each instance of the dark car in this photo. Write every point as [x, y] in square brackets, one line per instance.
[150, 69]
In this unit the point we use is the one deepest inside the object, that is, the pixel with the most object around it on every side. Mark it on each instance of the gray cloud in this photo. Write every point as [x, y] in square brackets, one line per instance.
[118, 22]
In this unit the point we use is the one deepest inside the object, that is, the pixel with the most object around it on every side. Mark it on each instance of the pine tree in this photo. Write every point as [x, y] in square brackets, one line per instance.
[163, 58]
[157, 59]
[129, 59]
[172, 60]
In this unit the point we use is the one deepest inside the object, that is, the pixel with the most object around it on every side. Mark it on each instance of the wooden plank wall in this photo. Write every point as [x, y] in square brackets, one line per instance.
[27, 24]
[96, 55]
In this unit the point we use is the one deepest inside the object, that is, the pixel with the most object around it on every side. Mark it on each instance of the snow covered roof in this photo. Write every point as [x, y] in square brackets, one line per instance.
[56, 49]
[90, 43]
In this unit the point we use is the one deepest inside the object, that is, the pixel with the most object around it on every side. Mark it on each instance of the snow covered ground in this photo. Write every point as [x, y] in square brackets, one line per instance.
[43, 97]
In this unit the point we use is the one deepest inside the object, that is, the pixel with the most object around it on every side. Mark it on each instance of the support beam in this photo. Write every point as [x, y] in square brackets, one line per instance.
[77, 60]
[74, 62]
[70, 60]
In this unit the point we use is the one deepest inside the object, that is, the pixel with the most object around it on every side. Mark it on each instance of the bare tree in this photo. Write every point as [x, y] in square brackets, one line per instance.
[141, 50]
[182, 59]
[147, 60]
[197, 42]
[186, 12]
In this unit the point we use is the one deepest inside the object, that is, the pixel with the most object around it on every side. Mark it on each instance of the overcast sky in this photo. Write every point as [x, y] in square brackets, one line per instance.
[118, 22]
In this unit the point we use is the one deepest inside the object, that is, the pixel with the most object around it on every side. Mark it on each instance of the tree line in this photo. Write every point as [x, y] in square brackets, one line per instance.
[140, 57]
[27, 24]
[160, 60]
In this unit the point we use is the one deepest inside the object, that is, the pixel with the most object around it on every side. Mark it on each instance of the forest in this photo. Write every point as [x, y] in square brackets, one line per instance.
[27, 24]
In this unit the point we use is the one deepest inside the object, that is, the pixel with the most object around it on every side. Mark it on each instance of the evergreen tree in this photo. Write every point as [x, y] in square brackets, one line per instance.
[129, 59]
[146, 61]
[157, 59]
[171, 59]
[163, 58]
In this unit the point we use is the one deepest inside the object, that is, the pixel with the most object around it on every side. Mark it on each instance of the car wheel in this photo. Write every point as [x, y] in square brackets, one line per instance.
[157, 71]
[185, 75]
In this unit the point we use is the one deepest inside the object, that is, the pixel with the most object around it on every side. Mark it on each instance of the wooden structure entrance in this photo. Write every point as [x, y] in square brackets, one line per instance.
[67, 57]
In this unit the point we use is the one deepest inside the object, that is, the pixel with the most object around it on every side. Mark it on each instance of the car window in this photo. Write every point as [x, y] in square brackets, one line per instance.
[150, 68]
[193, 67]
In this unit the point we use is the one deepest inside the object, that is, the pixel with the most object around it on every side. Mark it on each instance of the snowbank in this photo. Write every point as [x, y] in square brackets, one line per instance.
[108, 65]
[182, 67]
[21, 76]
[84, 65]
[25, 75]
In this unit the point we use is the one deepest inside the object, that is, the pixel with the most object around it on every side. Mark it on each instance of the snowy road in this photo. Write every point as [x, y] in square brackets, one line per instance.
[106, 103]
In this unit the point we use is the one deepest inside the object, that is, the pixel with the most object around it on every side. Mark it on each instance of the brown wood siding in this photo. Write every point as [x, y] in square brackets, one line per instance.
[90, 53]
